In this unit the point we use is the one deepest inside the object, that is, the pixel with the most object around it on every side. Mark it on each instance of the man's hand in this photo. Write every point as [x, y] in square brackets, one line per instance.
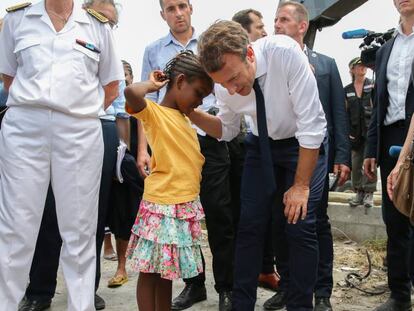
[143, 163]
[370, 168]
[342, 171]
[296, 203]
[392, 180]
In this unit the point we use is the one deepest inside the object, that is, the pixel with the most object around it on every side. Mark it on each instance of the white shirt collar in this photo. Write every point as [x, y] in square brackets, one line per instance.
[261, 67]
[399, 31]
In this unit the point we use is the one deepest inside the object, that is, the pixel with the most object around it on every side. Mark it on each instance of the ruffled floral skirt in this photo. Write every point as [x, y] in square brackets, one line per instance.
[166, 239]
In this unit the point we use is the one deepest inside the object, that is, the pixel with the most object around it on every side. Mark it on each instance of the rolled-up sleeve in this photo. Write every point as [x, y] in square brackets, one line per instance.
[8, 61]
[303, 90]
[230, 121]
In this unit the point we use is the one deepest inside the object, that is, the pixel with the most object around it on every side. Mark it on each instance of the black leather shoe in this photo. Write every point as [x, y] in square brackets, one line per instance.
[277, 302]
[322, 304]
[99, 302]
[190, 295]
[393, 305]
[34, 305]
[225, 301]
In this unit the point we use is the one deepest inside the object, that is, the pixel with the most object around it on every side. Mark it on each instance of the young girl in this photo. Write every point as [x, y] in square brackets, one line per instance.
[165, 240]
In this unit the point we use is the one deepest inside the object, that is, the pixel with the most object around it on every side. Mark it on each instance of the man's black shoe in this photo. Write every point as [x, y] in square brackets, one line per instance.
[34, 305]
[277, 302]
[322, 304]
[190, 295]
[99, 302]
[393, 305]
[225, 301]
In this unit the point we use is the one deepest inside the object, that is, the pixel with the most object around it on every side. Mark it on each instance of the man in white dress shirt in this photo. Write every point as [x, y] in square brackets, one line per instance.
[390, 120]
[285, 161]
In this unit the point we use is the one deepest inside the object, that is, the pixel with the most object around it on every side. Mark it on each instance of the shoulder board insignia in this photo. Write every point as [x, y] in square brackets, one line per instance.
[18, 7]
[100, 17]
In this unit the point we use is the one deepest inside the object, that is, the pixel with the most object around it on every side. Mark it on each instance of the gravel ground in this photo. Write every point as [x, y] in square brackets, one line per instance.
[349, 257]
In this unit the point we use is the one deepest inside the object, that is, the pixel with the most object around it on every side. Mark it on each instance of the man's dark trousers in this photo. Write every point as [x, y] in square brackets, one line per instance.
[397, 225]
[43, 272]
[324, 284]
[215, 197]
[257, 206]
[237, 154]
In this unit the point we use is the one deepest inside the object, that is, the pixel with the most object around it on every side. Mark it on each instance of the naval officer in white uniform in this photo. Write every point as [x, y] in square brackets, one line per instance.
[60, 67]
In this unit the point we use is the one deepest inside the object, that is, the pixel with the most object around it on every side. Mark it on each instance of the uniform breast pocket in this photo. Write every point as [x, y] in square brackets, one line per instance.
[85, 62]
[28, 54]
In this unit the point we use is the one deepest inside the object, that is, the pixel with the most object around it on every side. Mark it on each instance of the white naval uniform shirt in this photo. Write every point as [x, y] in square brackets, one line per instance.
[50, 69]
[398, 75]
[293, 108]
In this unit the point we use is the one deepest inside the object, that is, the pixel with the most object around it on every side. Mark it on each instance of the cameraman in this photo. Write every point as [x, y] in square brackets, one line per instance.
[393, 108]
[358, 96]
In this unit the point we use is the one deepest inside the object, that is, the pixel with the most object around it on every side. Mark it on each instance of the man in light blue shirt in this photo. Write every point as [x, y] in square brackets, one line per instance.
[157, 55]
[118, 105]
[3, 95]
[215, 192]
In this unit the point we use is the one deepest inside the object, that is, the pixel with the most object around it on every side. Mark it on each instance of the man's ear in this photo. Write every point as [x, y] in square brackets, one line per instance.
[304, 27]
[250, 53]
[191, 9]
[162, 15]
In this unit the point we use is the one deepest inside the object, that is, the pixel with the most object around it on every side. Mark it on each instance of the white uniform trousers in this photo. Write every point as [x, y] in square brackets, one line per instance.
[38, 146]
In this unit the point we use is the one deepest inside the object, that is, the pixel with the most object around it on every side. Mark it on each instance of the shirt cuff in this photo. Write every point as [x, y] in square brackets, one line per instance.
[311, 141]
[227, 134]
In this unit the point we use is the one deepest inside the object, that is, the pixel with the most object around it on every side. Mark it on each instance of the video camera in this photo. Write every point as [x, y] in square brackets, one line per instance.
[372, 41]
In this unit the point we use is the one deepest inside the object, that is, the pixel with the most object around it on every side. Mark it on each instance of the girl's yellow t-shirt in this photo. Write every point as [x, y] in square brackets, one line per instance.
[176, 160]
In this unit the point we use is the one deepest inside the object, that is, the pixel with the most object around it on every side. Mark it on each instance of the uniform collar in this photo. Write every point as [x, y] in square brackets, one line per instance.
[37, 9]
[168, 39]
[78, 14]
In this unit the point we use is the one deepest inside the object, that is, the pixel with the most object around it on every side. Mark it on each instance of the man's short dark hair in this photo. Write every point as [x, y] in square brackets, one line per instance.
[243, 18]
[223, 37]
[301, 13]
[162, 4]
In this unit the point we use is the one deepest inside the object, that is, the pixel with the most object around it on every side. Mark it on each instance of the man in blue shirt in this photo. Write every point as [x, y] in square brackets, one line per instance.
[215, 192]
[3, 95]
[3, 100]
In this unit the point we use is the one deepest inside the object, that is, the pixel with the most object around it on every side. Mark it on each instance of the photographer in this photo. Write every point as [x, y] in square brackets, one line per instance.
[393, 108]
[358, 96]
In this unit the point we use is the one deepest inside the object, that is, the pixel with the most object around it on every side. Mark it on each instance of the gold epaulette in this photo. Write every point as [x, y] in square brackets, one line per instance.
[100, 17]
[18, 7]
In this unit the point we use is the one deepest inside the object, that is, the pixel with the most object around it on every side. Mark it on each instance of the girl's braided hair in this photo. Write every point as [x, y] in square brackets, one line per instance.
[188, 64]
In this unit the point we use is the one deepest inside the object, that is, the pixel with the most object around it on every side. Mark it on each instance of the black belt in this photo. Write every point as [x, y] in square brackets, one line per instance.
[399, 124]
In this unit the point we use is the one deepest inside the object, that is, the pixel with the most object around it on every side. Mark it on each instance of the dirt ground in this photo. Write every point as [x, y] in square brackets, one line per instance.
[349, 258]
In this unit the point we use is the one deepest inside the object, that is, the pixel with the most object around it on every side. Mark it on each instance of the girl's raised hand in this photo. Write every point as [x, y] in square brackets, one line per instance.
[158, 79]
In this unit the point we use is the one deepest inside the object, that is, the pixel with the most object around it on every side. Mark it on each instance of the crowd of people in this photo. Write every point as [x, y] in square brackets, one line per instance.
[233, 126]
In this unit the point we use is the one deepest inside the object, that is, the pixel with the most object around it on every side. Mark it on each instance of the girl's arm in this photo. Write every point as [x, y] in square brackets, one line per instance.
[135, 93]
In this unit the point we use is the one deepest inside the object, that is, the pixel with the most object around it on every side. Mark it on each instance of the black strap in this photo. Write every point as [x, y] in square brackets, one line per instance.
[266, 156]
